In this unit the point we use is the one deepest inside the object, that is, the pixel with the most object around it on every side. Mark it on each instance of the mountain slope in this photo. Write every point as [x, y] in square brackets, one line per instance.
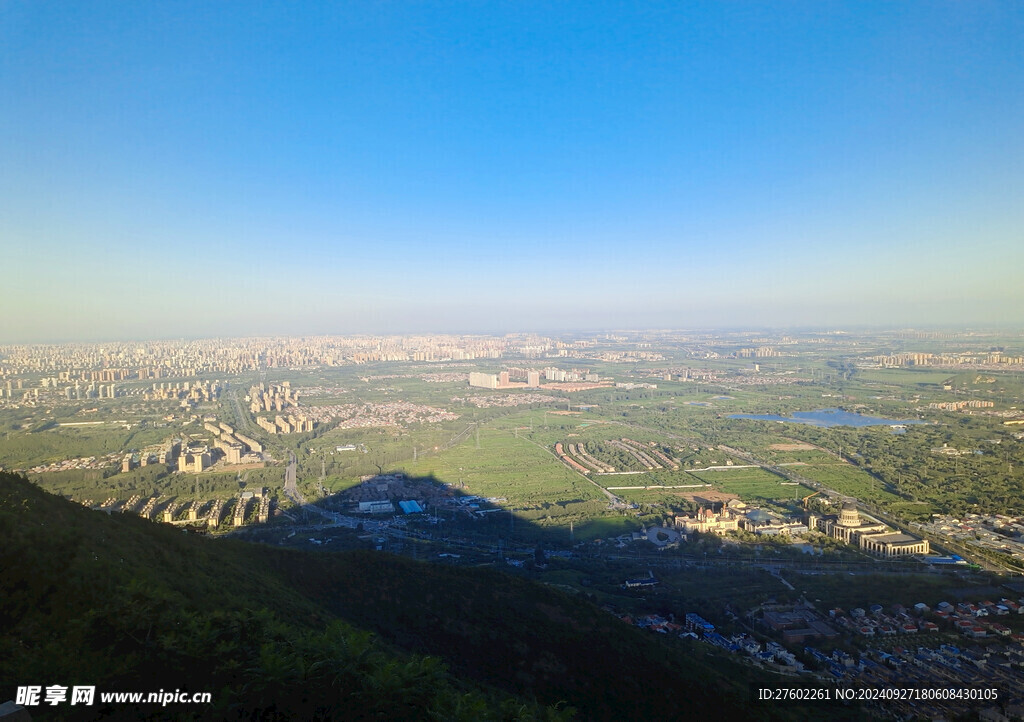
[124, 604]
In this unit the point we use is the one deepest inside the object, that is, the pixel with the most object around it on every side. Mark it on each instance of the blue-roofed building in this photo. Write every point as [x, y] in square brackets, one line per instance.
[719, 641]
[697, 623]
[410, 507]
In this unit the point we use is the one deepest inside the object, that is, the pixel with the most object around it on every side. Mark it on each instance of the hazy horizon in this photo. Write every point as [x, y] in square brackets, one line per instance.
[200, 170]
[551, 333]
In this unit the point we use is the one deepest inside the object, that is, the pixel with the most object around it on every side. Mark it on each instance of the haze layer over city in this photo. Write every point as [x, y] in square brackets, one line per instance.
[206, 170]
[512, 360]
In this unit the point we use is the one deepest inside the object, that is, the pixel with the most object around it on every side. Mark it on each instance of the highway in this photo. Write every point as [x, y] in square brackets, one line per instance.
[243, 418]
[291, 489]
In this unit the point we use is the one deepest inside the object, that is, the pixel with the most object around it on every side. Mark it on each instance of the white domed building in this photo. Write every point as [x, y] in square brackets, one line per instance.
[869, 534]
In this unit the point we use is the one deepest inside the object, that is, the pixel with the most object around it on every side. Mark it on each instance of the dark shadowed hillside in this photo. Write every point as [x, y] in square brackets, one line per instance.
[125, 604]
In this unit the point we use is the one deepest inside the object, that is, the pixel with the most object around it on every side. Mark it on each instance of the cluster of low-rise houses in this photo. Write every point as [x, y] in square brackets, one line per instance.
[907, 660]
[694, 626]
[505, 400]
[443, 377]
[433, 377]
[994, 532]
[611, 356]
[876, 621]
[992, 658]
[85, 462]
[390, 413]
[958, 405]
[754, 376]
[976, 619]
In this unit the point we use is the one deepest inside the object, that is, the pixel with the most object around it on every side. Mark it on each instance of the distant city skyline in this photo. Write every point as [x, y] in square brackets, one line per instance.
[199, 170]
[729, 334]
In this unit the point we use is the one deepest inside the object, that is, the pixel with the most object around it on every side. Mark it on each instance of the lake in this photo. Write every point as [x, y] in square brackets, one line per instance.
[827, 417]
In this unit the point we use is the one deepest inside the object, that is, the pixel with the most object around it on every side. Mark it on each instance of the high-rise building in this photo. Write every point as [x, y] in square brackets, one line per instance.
[483, 381]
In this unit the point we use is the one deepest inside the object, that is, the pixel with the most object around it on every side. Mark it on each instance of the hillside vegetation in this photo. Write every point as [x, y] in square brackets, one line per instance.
[125, 604]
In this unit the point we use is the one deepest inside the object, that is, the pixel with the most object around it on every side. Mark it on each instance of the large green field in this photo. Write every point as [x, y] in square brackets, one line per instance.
[849, 480]
[525, 474]
[752, 484]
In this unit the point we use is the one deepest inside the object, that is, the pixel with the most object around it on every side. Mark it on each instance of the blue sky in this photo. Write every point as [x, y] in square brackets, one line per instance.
[215, 168]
